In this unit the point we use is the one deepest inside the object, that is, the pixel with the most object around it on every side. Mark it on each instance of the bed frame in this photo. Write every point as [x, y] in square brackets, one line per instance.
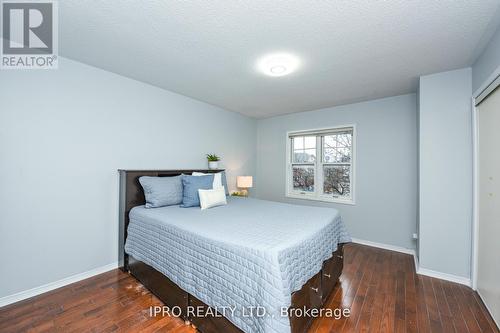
[313, 294]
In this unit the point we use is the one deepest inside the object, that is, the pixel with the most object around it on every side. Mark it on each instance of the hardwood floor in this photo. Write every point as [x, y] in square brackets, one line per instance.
[379, 286]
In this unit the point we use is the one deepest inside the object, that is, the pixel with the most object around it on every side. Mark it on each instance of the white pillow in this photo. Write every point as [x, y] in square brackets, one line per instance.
[212, 198]
[217, 178]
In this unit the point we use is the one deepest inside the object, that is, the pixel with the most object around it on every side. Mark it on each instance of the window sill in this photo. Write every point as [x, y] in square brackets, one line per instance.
[321, 199]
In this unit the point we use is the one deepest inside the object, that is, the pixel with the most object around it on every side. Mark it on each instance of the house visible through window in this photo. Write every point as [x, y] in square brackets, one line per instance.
[321, 165]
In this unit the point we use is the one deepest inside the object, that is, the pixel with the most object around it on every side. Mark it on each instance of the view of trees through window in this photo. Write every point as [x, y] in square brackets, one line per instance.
[303, 178]
[337, 150]
[337, 180]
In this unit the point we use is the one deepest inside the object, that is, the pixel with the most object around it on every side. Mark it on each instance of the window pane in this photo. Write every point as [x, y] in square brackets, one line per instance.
[304, 156]
[337, 148]
[330, 140]
[303, 178]
[298, 142]
[304, 149]
[310, 154]
[310, 142]
[329, 155]
[336, 180]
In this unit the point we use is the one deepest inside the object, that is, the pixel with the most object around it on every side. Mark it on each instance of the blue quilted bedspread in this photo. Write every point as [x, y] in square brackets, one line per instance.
[235, 257]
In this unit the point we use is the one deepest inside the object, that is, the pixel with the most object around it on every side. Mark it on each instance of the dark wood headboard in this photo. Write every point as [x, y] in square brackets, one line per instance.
[131, 195]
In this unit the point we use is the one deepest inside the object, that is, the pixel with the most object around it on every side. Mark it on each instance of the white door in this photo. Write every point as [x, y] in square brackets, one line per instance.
[488, 273]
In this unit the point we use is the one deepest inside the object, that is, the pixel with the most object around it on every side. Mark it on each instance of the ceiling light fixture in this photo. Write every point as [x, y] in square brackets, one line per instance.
[278, 69]
[278, 64]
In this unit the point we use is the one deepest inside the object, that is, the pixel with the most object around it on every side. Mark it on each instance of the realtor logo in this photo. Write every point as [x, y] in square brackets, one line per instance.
[29, 34]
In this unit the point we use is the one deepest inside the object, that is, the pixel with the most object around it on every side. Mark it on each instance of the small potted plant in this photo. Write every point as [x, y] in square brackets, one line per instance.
[213, 161]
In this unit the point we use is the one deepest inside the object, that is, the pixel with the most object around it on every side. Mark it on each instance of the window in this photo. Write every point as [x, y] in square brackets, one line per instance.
[320, 164]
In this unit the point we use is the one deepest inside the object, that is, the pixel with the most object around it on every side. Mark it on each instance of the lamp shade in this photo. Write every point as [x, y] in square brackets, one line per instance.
[244, 181]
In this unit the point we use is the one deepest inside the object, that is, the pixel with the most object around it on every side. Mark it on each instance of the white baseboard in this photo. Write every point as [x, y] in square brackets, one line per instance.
[418, 269]
[54, 285]
[444, 276]
[384, 246]
[487, 308]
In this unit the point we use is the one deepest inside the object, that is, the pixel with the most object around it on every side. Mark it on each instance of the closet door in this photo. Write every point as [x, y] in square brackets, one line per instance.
[488, 279]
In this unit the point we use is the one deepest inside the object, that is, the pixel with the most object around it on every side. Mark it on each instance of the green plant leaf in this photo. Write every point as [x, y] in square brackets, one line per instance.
[213, 158]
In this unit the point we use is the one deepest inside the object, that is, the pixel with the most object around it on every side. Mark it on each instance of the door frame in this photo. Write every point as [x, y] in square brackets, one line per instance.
[488, 84]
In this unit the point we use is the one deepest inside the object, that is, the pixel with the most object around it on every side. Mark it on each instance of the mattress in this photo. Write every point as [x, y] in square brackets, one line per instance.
[247, 253]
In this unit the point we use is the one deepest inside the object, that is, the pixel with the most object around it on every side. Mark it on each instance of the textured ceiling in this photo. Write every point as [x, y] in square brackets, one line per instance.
[351, 50]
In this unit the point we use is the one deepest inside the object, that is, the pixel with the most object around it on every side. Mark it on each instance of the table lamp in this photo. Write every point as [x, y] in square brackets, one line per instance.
[244, 183]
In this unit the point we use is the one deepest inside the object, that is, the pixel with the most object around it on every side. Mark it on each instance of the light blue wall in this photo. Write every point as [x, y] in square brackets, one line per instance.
[445, 161]
[487, 63]
[63, 135]
[386, 168]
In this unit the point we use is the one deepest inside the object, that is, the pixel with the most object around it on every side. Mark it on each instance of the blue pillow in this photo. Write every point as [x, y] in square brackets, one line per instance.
[191, 186]
[224, 181]
[162, 191]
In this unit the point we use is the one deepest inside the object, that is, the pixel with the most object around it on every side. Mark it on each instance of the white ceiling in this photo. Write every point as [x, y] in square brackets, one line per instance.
[351, 50]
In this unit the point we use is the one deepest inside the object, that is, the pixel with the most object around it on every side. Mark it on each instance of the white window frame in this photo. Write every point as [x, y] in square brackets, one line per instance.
[318, 195]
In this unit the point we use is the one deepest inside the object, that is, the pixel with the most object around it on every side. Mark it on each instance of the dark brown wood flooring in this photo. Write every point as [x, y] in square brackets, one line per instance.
[379, 286]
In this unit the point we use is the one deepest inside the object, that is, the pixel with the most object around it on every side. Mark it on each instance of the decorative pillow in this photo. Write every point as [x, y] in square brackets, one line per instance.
[212, 198]
[219, 179]
[224, 181]
[191, 185]
[161, 191]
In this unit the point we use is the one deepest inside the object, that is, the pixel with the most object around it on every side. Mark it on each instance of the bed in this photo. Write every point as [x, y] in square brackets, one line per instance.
[232, 258]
